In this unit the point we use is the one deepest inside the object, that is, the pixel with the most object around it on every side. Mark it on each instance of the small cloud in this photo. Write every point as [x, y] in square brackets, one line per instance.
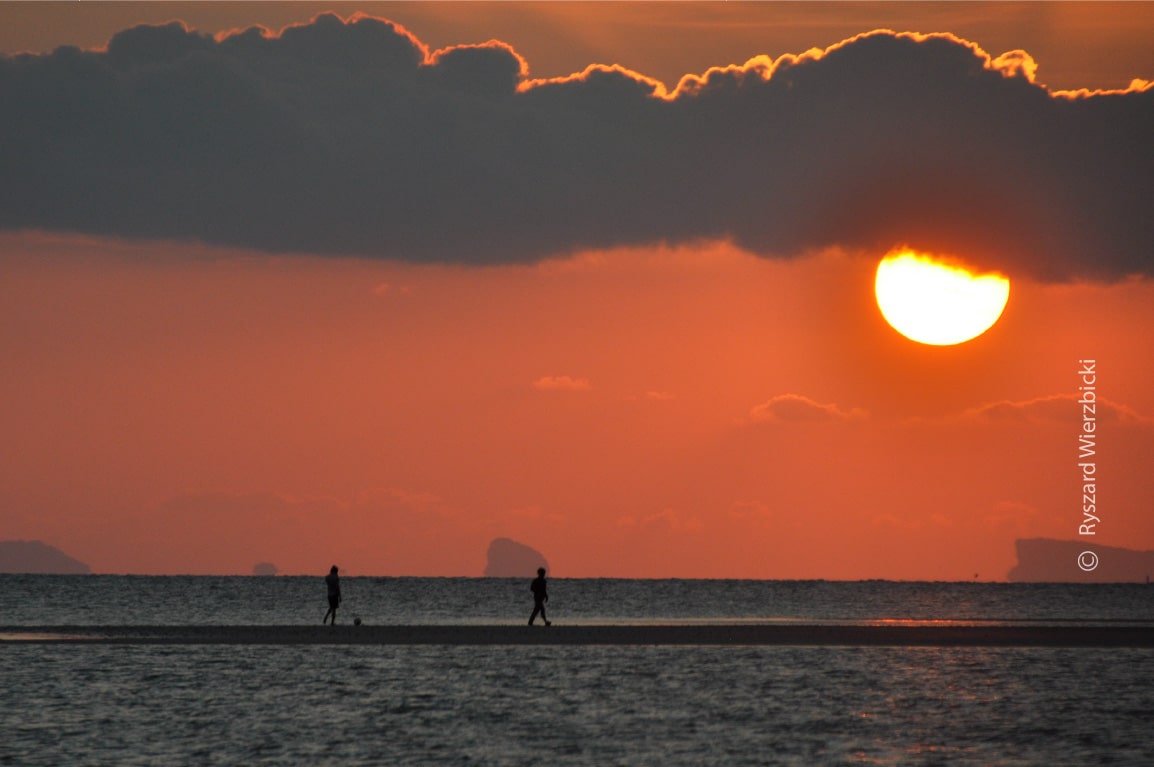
[891, 521]
[674, 521]
[751, 511]
[1013, 515]
[561, 383]
[399, 498]
[666, 520]
[388, 289]
[794, 407]
[651, 396]
[1054, 408]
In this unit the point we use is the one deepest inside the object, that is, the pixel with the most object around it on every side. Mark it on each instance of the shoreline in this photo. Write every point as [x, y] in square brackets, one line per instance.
[828, 635]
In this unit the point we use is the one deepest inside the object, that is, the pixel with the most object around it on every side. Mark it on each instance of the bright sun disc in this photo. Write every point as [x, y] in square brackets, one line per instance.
[935, 303]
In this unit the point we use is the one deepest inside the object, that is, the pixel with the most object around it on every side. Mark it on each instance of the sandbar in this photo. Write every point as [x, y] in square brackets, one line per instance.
[901, 635]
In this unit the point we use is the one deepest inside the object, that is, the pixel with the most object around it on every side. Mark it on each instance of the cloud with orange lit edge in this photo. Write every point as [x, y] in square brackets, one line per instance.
[351, 137]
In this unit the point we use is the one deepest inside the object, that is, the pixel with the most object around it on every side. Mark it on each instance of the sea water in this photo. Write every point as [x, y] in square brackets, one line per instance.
[571, 705]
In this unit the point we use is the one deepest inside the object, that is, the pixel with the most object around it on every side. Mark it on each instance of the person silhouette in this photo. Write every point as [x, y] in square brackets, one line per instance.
[334, 585]
[540, 597]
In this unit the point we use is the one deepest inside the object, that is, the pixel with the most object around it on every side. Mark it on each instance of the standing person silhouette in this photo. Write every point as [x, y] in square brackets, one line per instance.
[540, 597]
[334, 585]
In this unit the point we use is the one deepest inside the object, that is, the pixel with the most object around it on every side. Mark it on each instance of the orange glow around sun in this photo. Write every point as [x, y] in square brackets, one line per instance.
[933, 302]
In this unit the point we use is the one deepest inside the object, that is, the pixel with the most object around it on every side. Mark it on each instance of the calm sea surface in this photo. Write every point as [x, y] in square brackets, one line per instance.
[572, 705]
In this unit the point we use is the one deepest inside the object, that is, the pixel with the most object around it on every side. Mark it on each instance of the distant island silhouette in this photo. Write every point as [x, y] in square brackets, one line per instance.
[510, 559]
[17, 557]
[1046, 560]
[264, 568]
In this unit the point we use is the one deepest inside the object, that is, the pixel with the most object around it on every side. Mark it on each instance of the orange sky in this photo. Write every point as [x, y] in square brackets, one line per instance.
[177, 408]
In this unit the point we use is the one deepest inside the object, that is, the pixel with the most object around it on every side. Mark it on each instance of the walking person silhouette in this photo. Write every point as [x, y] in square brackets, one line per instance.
[540, 597]
[334, 585]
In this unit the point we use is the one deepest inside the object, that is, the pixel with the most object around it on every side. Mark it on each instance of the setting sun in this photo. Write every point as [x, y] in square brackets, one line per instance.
[936, 303]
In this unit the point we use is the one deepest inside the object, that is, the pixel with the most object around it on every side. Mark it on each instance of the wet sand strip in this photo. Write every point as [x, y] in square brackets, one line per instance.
[636, 635]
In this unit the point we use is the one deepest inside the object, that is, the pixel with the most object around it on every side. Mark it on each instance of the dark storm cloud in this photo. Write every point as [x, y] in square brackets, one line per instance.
[352, 138]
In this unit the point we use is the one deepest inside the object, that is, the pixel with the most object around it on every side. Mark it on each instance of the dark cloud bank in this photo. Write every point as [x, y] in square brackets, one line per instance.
[351, 138]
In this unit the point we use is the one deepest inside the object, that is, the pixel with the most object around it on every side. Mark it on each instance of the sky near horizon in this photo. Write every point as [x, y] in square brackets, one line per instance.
[376, 289]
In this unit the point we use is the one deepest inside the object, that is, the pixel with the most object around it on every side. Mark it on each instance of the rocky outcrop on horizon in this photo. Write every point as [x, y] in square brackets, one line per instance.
[510, 559]
[1046, 560]
[37, 557]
